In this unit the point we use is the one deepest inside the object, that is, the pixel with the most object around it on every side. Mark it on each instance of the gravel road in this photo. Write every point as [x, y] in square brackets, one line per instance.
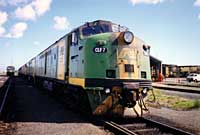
[34, 112]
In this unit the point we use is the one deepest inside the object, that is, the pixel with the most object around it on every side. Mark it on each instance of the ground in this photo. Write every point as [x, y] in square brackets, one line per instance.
[187, 120]
[35, 112]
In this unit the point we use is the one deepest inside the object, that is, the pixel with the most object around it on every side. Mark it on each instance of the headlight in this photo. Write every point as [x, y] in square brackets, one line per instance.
[128, 37]
[107, 90]
[144, 91]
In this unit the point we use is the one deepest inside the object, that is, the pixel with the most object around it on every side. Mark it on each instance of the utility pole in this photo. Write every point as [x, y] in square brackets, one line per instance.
[11, 61]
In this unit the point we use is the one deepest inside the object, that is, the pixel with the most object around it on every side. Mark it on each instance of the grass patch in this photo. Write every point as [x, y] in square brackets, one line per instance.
[173, 102]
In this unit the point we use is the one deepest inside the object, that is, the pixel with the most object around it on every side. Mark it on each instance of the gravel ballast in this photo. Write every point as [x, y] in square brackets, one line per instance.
[37, 128]
[186, 120]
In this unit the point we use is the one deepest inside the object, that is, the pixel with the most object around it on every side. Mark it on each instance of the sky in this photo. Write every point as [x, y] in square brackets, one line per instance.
[170, 27]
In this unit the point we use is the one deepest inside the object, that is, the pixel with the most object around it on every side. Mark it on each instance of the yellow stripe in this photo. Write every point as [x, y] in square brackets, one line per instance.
[77, 81]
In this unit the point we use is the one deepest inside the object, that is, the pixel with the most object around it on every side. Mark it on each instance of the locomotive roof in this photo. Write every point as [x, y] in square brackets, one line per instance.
[93, 22]
[99, 21]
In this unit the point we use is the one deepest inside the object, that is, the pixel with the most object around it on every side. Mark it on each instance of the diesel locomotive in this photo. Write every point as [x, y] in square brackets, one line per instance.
[100, 65]
[10, 70]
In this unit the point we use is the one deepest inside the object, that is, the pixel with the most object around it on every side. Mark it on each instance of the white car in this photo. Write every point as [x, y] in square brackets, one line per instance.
[193, 77]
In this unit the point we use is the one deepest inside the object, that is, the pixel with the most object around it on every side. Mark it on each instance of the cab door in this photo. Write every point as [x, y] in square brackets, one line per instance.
[61, 59]
[73, 55]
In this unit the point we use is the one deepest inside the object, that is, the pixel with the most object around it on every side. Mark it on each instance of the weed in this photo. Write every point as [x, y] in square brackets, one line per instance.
[173, 102]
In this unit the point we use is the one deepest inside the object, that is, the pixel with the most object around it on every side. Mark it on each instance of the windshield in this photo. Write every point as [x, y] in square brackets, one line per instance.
[95, 29]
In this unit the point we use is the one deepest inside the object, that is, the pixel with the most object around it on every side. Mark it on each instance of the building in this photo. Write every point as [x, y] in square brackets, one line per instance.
[169, 70]
[185, 70]
[156, 68]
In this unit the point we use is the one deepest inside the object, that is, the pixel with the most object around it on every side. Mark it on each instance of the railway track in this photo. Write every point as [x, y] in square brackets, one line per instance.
[5, 85]
[3, 94]
[141, 126]
[194, 90]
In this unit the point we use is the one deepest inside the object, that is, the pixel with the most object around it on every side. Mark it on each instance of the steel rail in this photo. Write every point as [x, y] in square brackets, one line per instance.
[5, 97]
[163, 128]
[117, 129]
[178, 89]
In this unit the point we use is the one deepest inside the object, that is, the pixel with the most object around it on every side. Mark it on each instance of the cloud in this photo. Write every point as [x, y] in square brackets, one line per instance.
[41, 6]
[25, 13]
[7, 44]
[2, 2]
[26, 10]
[32, 10]
[199, 16]
[2, 31]
[16, 2]
[3, 17]
[17, 30]
[134, 2]
[12, 2]
[61, 23]
[197, 3]
[36, 43]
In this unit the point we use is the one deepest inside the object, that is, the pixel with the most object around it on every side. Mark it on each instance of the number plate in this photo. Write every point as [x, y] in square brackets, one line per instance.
[100, 50]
